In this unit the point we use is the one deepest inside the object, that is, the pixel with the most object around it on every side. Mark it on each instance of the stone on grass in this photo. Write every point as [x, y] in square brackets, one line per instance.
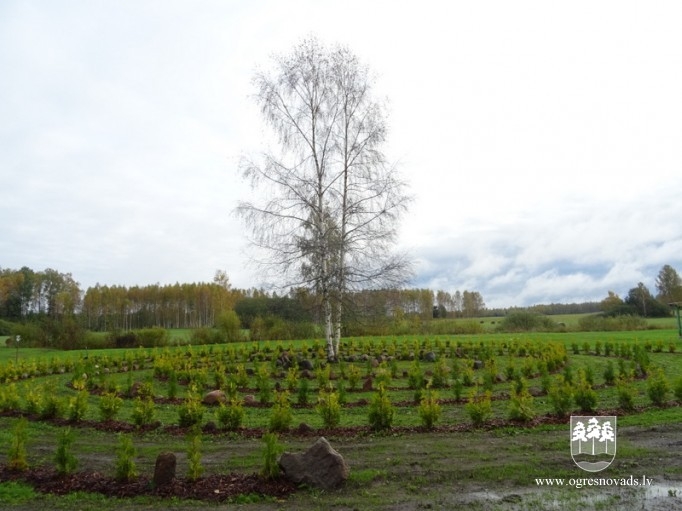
[430, 356]
[320, 466]
[164, 470]
[214, 397]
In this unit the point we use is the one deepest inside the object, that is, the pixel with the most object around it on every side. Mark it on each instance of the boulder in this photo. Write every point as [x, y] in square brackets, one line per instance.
[478, 364]
[320, 466]
[214, 397]
[305, 365]
[164, 470]
[430, 356]
[367, 385]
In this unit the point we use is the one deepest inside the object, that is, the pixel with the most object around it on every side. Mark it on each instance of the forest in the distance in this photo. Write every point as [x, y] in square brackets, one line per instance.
[49, 308]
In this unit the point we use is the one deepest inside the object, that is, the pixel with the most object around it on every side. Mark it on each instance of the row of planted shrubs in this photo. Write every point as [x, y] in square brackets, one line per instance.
[565, 392]
[125, 468]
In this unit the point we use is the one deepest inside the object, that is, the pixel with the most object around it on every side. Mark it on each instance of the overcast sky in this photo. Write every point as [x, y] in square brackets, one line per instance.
[542, 140]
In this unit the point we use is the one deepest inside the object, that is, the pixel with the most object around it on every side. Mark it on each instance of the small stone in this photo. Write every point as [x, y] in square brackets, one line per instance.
[214, 397]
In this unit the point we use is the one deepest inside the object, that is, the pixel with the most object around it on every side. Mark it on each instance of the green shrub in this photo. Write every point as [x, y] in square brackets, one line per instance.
[17, 448]
[109, 406]
[125, 459]
[292, 378]
[479, 407]
[658, 387]
[143, 411]
[521, 402]
[194, 467]
[561, 397]
[677, 389]
[609, 373]
[78, 406]
[280, 416]
[468, 378]
[583, 394]
[172, 385]
[64, 459]
[626, 394]
[33, 401]
[322, 375]
[303, 391]
[441, 372]
[53, 406]
[329, 408]
[231, 416]
[353, 375]
[597, 348]
[526, 322]
[229, 326]
[429, 409]
[153, 337]
[599, 323]
[191, 411]
[242, 378]
[415, 376]
[271, 452]
[204, 335]
[380, 411]
[457, 388]
[9, 398]
[341, 391]
[264, 384]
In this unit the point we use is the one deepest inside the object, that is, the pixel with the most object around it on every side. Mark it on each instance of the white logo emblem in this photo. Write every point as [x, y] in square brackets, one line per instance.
[593, 442]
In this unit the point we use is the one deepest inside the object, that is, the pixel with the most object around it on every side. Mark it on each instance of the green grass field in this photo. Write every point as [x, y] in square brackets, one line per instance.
[401, 468]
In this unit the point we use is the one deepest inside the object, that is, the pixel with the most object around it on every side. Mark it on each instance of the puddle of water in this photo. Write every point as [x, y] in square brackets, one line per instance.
[663, 491]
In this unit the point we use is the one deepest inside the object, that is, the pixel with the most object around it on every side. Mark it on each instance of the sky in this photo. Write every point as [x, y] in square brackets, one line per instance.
[541, 141]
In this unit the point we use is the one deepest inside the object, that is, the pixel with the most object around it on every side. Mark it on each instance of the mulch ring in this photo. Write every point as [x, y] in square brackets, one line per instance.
[214, 488]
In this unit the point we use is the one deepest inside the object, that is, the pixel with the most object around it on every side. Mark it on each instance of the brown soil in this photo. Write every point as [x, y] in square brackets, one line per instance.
[214, 488]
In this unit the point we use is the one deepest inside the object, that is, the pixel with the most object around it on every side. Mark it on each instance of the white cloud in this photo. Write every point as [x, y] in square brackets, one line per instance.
[541, 140]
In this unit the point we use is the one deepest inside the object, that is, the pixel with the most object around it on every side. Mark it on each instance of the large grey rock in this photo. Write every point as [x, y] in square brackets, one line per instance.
[164, 470]
[320, 466]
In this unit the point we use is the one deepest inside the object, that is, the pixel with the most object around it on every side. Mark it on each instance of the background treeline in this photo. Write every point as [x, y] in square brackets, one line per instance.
[49, 308]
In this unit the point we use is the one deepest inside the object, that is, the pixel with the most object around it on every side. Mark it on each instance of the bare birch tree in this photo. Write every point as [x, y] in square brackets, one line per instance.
[332, 202]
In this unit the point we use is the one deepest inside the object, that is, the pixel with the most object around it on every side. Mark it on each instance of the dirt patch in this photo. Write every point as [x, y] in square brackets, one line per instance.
[214, 488]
